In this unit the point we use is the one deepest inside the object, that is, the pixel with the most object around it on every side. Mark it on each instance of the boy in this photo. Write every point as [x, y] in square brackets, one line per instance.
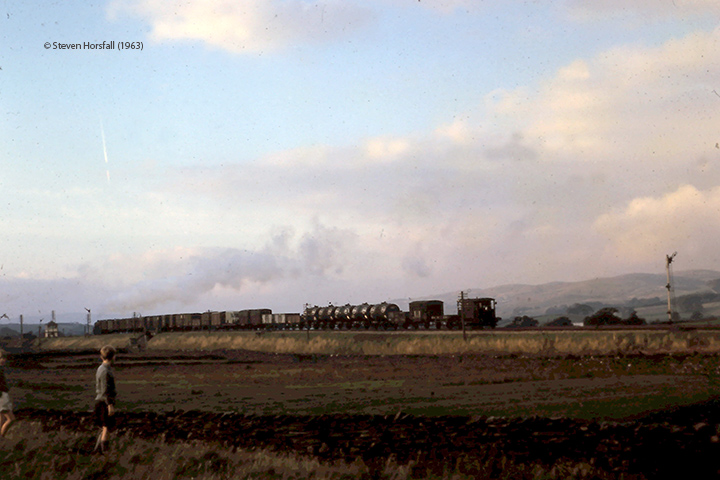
[105, 398]
[6, 413]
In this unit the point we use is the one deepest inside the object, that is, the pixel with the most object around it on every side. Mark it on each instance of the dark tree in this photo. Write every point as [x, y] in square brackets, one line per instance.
[604, 316]
[524, 321]
[560, 322]
[633, 319]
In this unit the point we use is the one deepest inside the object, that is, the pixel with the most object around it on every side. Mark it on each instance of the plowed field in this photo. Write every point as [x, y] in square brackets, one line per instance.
[634, 414]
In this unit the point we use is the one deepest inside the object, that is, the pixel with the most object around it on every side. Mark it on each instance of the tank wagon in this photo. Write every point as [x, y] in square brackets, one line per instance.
[348, 317]
[472, 313]
[423, 314]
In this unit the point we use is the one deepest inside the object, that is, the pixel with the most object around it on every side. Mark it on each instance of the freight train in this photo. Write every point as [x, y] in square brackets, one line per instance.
[472, 313]
[178, 322]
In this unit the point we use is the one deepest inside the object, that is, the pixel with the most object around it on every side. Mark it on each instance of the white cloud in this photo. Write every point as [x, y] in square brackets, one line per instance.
[521, 200]
[384, 149]
[460, 131]
[686, 220]
[627, 103]
[519, 191]
[592, 9]
[249, 26]
[578, 176]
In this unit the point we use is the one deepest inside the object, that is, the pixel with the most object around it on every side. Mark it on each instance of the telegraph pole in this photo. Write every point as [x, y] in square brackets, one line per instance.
[87, 332]
[668, 261]
[462, 314]
[307, 305]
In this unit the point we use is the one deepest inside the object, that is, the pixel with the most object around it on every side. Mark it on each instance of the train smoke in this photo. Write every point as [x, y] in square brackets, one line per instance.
[183, 278]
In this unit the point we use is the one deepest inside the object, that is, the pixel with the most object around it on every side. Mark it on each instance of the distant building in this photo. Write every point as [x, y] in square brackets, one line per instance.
[51, 330]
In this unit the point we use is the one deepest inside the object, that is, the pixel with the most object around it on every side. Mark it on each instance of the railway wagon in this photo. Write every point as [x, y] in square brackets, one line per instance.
[168, 322]
[348, 316]
[214, 320]
[153, 323]
[477, 312]
[101, 328]
[280, 320]
[474, 313]
[427, 312]
[248, 319]
[122, 325]
[360, 315]
[186, 321]
[137, 324]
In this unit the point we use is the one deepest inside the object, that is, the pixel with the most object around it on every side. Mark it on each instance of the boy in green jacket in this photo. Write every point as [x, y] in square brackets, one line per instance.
[105, 398]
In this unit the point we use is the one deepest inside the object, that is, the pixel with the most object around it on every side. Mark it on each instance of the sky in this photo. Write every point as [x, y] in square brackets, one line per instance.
[276, 153]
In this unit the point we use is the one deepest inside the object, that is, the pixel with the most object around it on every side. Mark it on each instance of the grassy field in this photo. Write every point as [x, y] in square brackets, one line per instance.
[555, 342]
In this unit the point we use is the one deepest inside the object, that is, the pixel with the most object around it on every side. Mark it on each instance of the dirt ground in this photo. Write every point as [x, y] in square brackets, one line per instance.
[256, 383]
[629, 413]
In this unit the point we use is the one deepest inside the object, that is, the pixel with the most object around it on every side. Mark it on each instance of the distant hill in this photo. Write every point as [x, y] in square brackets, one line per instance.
[66, 329]
[8, 332]
[632, 291]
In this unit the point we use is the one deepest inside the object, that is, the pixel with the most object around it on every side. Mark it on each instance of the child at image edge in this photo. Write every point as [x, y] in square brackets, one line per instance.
[6, 413]
[105, 398]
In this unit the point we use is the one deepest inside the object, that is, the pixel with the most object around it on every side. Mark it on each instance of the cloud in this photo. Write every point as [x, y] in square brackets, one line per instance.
[386, 149]
[520, 197]
[630, 102]
[602, 168]
[513, 189]
[590, 9]
[686, 220]
[250, 26]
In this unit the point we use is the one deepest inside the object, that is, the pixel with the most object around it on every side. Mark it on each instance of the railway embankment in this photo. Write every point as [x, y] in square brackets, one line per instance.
[579, 342]
[502, 342]
[121, 341]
